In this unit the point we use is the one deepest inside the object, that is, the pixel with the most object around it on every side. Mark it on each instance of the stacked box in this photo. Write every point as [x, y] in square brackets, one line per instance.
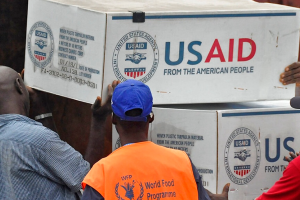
[222, 50]
[187, 52]
[242, 144]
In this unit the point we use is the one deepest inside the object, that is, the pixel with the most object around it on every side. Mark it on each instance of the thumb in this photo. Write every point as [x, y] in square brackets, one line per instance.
[97, 103]
[110, 92]
[226, 189]
[22, 74]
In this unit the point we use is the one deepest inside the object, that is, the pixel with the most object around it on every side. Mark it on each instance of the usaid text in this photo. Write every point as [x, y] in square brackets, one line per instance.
[215, 52]
[278, 143]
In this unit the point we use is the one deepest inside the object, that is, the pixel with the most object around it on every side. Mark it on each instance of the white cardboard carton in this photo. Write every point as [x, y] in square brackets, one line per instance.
[242, 144]
[224, 50]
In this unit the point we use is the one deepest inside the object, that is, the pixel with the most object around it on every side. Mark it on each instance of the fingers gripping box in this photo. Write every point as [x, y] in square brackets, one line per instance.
[242, 144]
[227, 51]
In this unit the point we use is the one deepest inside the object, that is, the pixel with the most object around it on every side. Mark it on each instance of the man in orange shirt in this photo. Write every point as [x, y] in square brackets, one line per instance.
[141, 169]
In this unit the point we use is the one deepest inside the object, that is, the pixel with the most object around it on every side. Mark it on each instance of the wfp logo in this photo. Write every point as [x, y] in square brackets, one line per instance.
[239, 169]
[130, 189]
[40, 44]
[137, 60]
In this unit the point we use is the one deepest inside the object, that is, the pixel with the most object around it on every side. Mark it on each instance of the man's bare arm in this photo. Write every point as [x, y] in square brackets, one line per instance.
[223, 196]
[101, 124]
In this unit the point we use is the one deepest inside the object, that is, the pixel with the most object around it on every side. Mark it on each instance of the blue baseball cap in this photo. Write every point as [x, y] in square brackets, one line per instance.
[129, 95]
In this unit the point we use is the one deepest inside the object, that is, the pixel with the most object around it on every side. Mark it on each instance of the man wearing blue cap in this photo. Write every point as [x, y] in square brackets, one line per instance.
[141, 169]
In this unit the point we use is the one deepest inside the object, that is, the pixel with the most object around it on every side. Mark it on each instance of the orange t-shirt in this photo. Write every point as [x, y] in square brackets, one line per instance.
[143, 169]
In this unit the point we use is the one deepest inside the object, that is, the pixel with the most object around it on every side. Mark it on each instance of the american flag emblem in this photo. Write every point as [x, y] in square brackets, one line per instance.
[242, 170]
[39, 55]
[135, 72]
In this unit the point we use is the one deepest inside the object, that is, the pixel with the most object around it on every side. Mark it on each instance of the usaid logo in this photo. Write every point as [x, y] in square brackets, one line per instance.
[242, 156]
[215, 52]
[40, 44]
[135, 57]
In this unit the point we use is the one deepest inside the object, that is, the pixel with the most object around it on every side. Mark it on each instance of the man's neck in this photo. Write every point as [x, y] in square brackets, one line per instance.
[12, 111]
[11, 103]
[132, 138]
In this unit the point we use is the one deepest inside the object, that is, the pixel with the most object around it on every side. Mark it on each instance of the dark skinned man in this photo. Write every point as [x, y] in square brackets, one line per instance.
[34, 162]
[141, 168]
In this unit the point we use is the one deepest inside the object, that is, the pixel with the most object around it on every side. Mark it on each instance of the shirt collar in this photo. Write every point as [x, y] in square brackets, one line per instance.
[6, 118]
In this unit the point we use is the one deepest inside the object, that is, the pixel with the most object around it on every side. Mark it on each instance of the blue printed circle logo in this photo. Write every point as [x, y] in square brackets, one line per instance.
[135, 57]
[242, 149]
[129, 188]
[40, 44]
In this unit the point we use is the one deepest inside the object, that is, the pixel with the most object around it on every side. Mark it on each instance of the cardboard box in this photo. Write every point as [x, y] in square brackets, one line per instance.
[242, 144]
[64, 50]
[222, 50]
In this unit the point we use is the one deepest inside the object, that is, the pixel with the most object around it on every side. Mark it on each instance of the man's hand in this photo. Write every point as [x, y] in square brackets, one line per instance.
[38, 102]
[292, 157]
[291, 74]
[101, 128]
[100, 111]
[223, 196]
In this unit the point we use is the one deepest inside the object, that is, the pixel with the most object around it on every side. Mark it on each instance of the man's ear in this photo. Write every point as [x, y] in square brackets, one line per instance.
[18, 86]
[151, 117]
[114, 119]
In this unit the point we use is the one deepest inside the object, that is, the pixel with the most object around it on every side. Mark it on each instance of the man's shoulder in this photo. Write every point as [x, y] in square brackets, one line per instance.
[170, 150]
[148, 148]
[26, 131]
